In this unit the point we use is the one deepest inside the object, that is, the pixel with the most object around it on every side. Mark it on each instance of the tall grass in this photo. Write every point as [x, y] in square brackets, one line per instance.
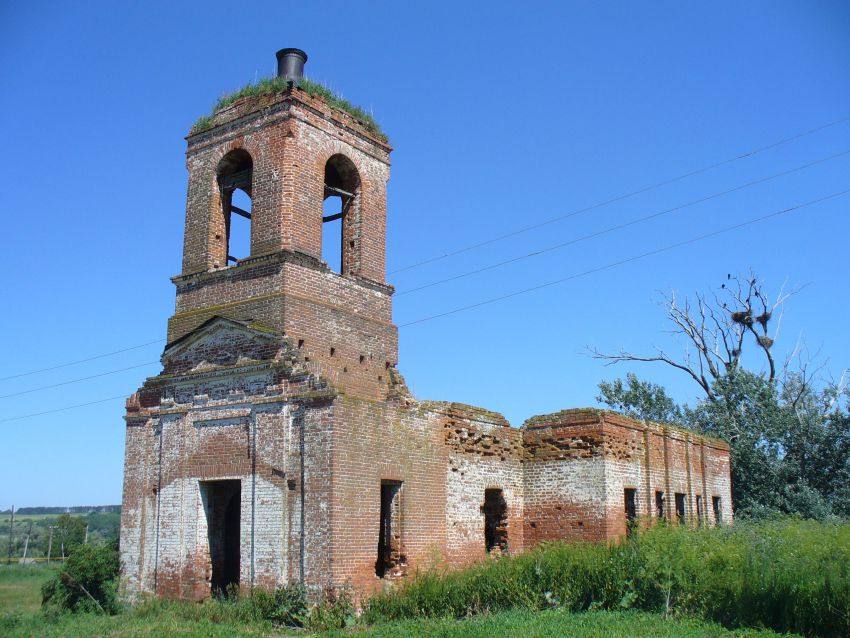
[788, 575]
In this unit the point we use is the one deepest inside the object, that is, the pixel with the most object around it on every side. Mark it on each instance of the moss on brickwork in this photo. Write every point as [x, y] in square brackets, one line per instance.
[273, 86]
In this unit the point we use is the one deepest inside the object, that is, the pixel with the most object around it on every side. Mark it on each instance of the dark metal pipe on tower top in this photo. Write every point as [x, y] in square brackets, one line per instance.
[290, 64]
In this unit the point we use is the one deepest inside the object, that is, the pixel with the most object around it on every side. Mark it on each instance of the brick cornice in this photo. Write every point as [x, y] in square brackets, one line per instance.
[281, 105]
[248, 264]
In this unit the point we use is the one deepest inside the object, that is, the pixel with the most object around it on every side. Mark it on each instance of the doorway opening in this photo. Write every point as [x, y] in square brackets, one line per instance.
[222, 506]
[680, 509]
[495, 511]
[718, 511]
[630, 505]
[390, 557]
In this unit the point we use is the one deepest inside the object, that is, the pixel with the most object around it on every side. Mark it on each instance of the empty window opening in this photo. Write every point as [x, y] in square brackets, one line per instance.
[239, 242]
[718, 511]
[495, 511]
[222, 507]
[235, 175]
[630, 505]
[680, 508]
[699, 509]
[332, 233]
[391, 560]
[659, 504]
[342, 184]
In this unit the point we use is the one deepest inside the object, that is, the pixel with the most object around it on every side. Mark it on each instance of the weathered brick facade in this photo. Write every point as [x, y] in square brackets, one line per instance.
[279, 444]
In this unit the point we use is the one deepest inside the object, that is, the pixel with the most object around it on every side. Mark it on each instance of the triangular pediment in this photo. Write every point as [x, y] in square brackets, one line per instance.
[222, 342]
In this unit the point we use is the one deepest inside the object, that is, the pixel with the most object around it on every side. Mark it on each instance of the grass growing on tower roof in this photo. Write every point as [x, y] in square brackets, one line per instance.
[271, 86]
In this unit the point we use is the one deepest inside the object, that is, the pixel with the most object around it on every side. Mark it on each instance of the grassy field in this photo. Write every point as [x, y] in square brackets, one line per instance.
[20, 587]
[20, 617]
[549, 624]
[24, 518]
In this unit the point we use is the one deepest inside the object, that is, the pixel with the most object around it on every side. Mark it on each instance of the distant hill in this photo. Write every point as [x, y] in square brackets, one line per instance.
[77, 509]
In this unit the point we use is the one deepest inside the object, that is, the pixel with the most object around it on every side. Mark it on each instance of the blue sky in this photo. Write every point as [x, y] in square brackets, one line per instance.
[500, 116]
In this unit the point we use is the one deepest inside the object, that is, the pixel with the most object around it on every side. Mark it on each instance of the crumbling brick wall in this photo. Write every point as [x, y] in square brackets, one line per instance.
[582, 461]
[279, 389]
[215, 423]
[484, 452]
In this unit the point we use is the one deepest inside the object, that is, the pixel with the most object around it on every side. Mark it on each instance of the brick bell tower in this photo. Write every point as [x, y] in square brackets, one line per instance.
[288, 152]
[235, 469]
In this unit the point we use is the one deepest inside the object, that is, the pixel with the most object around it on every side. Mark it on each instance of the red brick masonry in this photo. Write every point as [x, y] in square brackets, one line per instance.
[280, 444]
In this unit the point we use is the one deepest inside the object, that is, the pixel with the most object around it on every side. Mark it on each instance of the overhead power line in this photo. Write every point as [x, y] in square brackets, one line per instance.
[625, 261]
[67, 407]
[619, 198]
[672, 180]
[73, 363]
[517, 293]
[616, 227]
[94, 376]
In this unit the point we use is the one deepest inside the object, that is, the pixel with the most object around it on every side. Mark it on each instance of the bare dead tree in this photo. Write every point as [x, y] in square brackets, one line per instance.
[716, 329]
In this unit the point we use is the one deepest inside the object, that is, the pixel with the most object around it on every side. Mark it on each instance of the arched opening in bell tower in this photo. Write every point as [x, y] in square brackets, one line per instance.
[341, 201]
[235, 174]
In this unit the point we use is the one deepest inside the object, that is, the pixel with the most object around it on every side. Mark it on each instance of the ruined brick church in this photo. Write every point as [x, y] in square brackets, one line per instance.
[280, 445]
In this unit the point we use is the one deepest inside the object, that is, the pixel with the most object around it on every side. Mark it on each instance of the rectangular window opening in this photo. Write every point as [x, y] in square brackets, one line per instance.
[680, 508]
[238, 226]
[391, 560]
[659, 504]
[332, 232]
[699, 509]
[630, 503]
[718, 510]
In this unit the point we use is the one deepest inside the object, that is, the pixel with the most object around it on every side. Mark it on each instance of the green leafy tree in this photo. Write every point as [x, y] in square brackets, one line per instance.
[639, 399]
[745, 411]
[817, 444]
[70, 530]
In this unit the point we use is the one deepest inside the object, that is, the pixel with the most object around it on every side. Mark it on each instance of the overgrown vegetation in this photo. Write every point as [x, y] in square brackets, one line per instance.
[271, 86]
[786, 574]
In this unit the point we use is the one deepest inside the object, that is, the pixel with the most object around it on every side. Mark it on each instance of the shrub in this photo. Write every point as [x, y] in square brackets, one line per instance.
[336, 611]
[286, 606]
[86, 582]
